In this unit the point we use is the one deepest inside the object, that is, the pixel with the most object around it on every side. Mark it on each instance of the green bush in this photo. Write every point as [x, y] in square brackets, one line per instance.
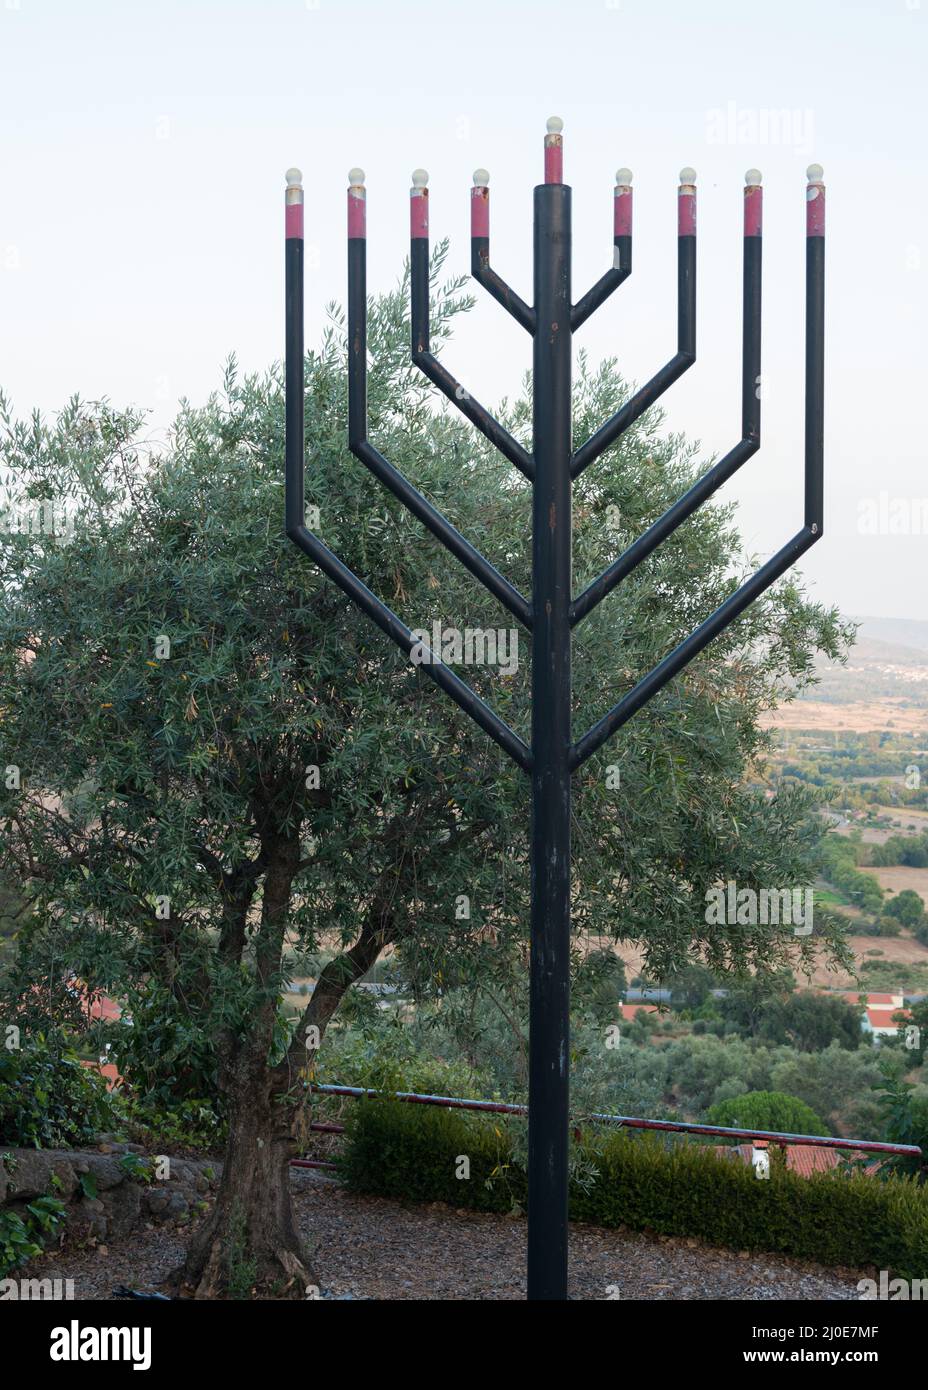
[176, 1126]
[767, 1110]
[413, 1153]
[23, 1233]
[48, 1100]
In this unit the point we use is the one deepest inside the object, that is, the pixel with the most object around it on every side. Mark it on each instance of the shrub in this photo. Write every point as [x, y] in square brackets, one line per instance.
[188, 1124]
[48, 1100]
[23, 1233]
[413, 1153]
[767, 1110]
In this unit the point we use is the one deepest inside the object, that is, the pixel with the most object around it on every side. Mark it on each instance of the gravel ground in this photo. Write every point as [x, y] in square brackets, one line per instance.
[366, 1247]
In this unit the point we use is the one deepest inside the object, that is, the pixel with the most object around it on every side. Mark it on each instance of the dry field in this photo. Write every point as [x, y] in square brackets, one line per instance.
[904, 822]
[902, 950]
[860, 717]
[897, 876]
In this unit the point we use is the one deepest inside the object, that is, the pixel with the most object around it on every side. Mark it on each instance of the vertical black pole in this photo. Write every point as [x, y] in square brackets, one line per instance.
[752, 307]
[815, 352]
[293, 351]
[549, 1051]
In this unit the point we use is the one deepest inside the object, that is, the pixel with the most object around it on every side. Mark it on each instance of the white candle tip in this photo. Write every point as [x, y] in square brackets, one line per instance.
[555, 125]
[481, 178]
[294, 178]
[753, 178]
[687, 175]
[623, 177]
[355, 177]
[420, 178]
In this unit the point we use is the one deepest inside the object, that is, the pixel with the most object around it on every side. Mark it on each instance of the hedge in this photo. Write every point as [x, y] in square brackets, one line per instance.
[411, 1153]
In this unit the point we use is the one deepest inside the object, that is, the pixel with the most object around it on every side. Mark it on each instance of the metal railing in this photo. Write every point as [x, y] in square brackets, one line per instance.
[495, 1107]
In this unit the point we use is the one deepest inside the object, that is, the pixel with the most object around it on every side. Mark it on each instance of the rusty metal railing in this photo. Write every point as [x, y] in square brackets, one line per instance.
[495, 1107]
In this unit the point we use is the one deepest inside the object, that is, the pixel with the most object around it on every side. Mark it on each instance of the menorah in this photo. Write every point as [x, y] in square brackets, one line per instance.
[552, 612]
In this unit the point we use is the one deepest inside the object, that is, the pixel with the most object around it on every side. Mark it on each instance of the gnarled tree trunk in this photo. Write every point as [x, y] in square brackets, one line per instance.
[248, 1246]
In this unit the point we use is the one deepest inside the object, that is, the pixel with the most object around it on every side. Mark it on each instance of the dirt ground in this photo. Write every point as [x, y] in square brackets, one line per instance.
[898, 876]
[367, 1248]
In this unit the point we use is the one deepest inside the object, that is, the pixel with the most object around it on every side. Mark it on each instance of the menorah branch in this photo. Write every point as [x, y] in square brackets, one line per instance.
[622, 254]
[747, 446]
[422, 355]
[295, 519]
[812, 531]
[682, 655]
[359, 443]
[480, 267]
[388, 622]
[685, 355]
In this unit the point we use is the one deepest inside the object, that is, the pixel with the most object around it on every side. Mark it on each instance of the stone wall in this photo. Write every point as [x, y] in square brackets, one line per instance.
[120, 1202]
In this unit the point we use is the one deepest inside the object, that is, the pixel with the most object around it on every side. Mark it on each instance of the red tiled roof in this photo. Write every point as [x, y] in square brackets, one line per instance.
[630, 1010]
[102, 1008]
[804, 1159]
[883, 1018]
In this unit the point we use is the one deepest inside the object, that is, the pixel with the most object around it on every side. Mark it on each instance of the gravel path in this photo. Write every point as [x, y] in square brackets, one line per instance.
[366, 1247]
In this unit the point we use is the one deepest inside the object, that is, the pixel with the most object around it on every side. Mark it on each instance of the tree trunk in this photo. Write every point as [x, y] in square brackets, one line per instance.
[248, 1247]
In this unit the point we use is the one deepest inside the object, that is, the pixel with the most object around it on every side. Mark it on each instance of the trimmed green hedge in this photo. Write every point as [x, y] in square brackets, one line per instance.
[412, 1152]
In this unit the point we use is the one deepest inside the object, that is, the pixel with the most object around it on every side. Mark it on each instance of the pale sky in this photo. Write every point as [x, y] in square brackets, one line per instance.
[141, 208]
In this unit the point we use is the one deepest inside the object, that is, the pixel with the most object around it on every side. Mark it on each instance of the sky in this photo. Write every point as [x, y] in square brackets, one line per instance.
[144, 147]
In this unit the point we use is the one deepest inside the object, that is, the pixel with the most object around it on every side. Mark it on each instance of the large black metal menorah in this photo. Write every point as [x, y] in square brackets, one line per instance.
[552, 612]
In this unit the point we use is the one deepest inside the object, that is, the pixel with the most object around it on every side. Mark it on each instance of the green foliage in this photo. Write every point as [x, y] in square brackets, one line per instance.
[167, 1055]
[177, 1126]
[905, 1119]
[14, 911]
[137, 1168]
[88, 1183]
[771, 1110]
[692, 987]
[907, 907]
[840, 854]
[48, 1100]
[389, 1057]
[409, 1152]
[691, 1074]
[412, 1152]
[24, 1233]
[911, 850]
[771, 1010]
[811, 1022]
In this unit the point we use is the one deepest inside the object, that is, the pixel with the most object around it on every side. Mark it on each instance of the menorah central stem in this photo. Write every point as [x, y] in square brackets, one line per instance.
[549, 1064]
